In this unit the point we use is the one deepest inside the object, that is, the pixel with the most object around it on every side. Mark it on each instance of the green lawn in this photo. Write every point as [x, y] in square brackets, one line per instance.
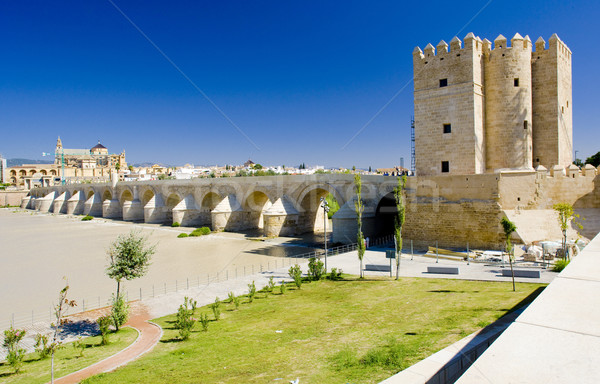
[331, 332]
[67, 359]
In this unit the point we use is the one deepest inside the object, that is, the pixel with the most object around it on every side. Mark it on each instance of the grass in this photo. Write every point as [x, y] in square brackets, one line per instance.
[67, 359]
[326, 332]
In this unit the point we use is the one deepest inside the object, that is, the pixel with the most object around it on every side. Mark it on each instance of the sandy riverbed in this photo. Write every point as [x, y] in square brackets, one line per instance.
[37, 250]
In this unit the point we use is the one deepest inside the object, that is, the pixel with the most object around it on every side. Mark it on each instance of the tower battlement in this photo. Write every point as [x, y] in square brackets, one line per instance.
[441, 51]
[482, 106]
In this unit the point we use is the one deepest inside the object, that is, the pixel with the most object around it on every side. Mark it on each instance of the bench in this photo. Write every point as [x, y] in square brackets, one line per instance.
[443, 270]
[522, 273]
[377, 268]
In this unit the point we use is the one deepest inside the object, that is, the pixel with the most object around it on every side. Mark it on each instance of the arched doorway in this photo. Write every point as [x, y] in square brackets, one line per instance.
[385, 216]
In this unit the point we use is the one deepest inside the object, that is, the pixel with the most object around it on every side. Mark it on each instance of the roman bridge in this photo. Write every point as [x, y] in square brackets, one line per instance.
[275, 205]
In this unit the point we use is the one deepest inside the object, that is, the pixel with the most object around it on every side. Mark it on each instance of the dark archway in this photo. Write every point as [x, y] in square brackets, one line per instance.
[385, 216]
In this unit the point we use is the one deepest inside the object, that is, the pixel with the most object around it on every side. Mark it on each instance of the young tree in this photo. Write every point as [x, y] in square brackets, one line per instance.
[129, 258]
[360, 208]
[565, 216]
[399, 220]
[509, 227]
[59, 312]
[185, 317]
[14, 353]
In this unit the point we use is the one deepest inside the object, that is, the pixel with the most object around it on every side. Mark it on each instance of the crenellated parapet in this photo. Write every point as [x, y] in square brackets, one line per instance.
[477, 101]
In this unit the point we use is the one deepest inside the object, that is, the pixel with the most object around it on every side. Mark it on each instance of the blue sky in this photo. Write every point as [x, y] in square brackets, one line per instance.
[298, 78]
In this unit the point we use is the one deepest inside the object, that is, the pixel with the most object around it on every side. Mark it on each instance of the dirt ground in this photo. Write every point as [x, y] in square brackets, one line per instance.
[38, 250]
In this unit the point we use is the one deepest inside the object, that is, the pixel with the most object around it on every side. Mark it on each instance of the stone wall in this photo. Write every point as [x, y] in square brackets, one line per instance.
[451, 209]
[12, 198]
[458, 104]
[504, 107]
[508, 104]
[552, 104]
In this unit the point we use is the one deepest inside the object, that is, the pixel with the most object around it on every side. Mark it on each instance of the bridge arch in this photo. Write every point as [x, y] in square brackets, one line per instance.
[126, 195]
[210, 200]
[309, 201]
[107, 194]
[171, 202]
[147, 195]
[255, 203]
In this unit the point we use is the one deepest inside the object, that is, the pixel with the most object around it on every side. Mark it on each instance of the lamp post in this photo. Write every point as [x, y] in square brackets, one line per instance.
[325, 206]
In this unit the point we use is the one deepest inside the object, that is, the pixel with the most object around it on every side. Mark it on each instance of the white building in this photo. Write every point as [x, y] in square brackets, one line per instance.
[3, 172]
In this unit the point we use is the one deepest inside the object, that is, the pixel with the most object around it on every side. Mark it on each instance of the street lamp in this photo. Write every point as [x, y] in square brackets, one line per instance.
[325, 206]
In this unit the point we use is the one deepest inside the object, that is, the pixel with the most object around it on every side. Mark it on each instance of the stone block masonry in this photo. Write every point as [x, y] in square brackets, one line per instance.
[480, 109]
[451, 209]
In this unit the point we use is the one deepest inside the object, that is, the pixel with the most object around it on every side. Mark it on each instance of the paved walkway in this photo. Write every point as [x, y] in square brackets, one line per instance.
[149, 336]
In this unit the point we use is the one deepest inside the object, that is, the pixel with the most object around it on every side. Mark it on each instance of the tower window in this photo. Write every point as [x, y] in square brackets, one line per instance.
[443, 83]
[445, 166]
[447, 128]
[525, 124]
[562, 109]
[516, 82]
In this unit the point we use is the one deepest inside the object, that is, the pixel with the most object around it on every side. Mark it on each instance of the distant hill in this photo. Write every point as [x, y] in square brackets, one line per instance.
[18, 162]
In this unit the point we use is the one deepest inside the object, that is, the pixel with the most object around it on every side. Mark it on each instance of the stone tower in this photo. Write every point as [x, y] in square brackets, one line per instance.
[552, 103]
[480, 108]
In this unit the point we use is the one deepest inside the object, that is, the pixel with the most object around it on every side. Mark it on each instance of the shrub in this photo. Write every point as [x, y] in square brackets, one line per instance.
[251, 292]
[12, 338]
[282, 287]
[104, 324]
[41, 346]
[79, 346]
[205, 230]
[182, 235]
[216, 308]
[87, 218]
[560, 265]
[176, 224]
[335, 274]
[316, 269]
[200, 231]
[270, 285]
[204, 321]
[296, 273]
[234, 299]
[185, 318]
[120, 311]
